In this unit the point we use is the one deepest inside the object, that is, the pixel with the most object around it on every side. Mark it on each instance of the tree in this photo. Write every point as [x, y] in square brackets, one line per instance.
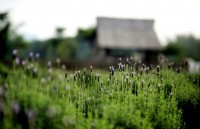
[88, 35]
[67, 49]
[4, 31]
[183, 46]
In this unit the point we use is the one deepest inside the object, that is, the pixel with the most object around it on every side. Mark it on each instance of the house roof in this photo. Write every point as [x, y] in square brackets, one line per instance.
[126, 34]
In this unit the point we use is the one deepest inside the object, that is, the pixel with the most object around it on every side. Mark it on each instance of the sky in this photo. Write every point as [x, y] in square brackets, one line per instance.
[39, 18]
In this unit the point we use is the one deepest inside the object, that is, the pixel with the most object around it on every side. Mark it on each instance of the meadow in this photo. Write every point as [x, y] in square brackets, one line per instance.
[130, 96]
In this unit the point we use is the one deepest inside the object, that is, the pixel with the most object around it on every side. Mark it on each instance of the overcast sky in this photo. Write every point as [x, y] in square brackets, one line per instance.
[41, 17]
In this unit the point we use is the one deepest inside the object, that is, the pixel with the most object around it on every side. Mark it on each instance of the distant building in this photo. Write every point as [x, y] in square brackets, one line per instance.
[120, 37]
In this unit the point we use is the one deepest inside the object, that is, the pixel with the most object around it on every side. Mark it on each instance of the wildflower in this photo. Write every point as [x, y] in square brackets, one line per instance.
[112, 70]
[101, 83]
[35, 72]
[31, 66]
[147, 69]
[79, 74]
[143, 66]
[49, 64]
[132, 74]
[67, 87]
[169, 66]
[53, 111]
[24, 62]
[127, 60]
[74, 76]
[123, 67]
[66, 74]
[63, 67]
[120, 60]
[179, 69]
[49, 70]
[31, 56]
[37, 55]
[110, 75]
[43, 80]
[17, 61]
[108, 81]
[14, 53]
[15, 107]
[143, 83]
[31, 114]
[91, 69]
[58, 61]
[158, 70]
[83, 79]
[93, 125]
[98, 77]
[120, 67]
[170, 95]
[127, 79]
[84, 71]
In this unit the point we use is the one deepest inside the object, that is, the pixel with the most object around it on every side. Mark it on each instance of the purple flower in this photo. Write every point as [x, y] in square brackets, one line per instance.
[16, 107]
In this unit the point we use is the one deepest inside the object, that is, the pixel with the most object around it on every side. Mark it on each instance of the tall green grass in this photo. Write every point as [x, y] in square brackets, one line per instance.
[32, 97]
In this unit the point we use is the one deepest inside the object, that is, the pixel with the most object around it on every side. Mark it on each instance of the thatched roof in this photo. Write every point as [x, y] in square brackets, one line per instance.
[126, 34]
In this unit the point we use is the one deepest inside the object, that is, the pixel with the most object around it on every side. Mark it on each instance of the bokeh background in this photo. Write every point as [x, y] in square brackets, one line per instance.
[68, 29]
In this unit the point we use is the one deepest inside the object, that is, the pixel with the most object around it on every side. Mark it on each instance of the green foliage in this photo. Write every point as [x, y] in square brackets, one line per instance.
[9, 38]
[67, 49]
[183, 46]
[122, 98]
[88, 34]
[4, 30]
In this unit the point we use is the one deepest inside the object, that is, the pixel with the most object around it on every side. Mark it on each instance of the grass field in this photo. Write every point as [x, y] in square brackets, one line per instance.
[132, 96]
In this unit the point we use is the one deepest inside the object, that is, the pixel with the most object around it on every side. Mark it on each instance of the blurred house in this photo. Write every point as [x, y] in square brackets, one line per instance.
[123, 37]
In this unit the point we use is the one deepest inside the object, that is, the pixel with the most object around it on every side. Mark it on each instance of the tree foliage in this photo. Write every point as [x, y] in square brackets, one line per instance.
[183, 46]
